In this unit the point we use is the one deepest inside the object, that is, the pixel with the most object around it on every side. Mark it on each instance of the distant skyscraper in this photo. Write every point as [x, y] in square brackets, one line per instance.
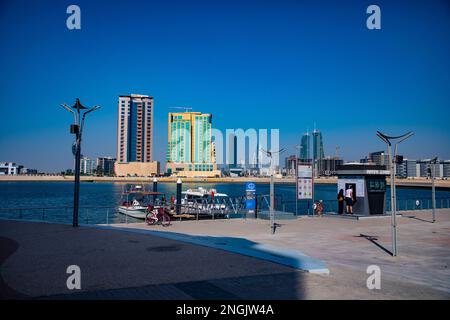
[318, 145]
[190, 147]
[305, 147]
[135, 128]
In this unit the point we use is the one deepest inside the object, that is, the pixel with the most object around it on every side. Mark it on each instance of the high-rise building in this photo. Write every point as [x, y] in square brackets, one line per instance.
[190, 150]
[87, 166]
[105, 166]
[134, 128]
[305, 147]
[318, 152]
[135, 136]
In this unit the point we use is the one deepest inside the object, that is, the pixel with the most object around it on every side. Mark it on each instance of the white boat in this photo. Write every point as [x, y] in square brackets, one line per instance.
[135, 210]
[203, 199]
[136, 201]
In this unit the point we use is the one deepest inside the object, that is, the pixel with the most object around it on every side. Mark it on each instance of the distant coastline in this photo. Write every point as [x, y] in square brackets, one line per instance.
[421, 182]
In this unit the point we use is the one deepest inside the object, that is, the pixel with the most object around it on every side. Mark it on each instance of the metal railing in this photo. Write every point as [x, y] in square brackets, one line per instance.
[419, 204]
[228, 207]
[220, 208]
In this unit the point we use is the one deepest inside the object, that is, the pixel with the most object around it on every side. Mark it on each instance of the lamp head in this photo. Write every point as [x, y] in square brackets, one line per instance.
[78, 105]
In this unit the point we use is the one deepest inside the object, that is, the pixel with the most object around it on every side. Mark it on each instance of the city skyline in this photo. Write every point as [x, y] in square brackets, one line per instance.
[312, 64]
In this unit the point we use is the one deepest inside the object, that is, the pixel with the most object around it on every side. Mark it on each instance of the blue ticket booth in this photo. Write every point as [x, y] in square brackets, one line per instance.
[368, 183]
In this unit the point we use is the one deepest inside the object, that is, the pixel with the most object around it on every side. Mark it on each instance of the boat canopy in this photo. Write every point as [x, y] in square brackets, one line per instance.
[146, 193]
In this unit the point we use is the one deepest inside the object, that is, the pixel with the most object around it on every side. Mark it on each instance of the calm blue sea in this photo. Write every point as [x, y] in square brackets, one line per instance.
[60, 194]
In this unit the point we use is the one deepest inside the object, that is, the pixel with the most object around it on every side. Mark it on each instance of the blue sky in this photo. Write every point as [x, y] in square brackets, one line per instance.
[252, 64]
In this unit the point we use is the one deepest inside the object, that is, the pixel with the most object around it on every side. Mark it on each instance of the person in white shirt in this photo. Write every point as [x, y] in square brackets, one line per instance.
[349, 200]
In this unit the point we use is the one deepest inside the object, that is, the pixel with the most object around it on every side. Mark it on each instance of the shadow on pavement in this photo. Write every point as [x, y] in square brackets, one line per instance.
[420, 219]
[374, 241]
[130, 265]
[7, 248]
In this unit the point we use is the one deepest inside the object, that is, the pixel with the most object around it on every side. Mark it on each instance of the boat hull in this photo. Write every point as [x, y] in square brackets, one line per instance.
[135, 212]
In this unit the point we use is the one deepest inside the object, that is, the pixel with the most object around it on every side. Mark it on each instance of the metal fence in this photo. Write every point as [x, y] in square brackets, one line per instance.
[219, 208]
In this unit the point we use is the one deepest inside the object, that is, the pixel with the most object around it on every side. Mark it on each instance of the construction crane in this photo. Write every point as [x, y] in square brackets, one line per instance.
[186, 109]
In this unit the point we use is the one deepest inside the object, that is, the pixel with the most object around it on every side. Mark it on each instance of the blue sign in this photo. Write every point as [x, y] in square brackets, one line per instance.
[250, 204]
[250, 186]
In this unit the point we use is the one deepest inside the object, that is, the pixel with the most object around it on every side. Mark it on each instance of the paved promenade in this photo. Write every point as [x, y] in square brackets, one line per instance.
[129, 265]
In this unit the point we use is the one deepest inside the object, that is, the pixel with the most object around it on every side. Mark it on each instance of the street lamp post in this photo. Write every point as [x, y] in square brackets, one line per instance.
[77, 129]
[299, 148]
[433, 190]
[272, 189]
[392, 162]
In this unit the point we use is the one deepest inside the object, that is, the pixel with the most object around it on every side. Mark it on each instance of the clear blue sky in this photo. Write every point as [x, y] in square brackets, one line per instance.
[260, 64]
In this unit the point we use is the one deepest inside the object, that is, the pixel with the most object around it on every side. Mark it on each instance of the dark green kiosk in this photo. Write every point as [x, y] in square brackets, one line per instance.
[368, 182]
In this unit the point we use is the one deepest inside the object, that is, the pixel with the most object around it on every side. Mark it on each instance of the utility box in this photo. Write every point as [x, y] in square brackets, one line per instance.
[369, 187]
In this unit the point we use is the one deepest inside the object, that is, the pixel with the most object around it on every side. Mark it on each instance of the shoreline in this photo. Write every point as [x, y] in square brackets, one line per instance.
[411, 183]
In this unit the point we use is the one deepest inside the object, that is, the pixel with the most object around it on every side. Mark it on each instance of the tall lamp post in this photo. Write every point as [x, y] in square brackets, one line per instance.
[299, 148]
[392, 161]
[272, 188]
[433, 190]
[77, 129]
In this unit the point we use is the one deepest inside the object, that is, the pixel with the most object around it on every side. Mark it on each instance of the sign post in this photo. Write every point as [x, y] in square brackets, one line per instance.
[250, 201]
[305, 181]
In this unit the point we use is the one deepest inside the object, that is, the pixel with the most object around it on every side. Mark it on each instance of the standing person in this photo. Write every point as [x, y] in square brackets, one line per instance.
[349, 199]
[340, 198]
[172, 202]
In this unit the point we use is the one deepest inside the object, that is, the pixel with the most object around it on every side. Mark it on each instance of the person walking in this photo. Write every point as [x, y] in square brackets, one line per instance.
[340, 198]
[349, 200]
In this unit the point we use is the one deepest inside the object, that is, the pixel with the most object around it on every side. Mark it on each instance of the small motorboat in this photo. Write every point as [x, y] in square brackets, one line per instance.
[135, 209]
[136, 201]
